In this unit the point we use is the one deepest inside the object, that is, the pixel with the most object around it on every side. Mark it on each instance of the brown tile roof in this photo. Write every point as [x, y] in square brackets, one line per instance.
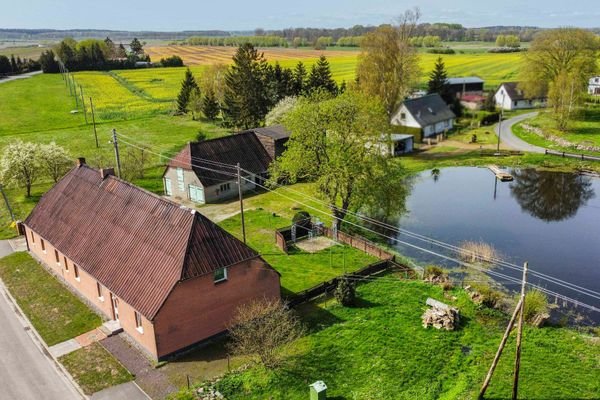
[136, 244]
[276, 132]
[243, 148]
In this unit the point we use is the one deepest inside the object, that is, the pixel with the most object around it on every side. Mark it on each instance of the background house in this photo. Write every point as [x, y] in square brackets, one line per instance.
[510, 97]
[167, 274]
[273, 138]
[470, 85]
[594, 86]
[195, 173]
[428, 114]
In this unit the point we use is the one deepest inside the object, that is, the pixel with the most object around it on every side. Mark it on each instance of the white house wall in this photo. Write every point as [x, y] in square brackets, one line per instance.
[409, 121]
[212, 194]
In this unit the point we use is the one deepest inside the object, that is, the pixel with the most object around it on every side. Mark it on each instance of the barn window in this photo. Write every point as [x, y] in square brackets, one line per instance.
[168, 187]
[403, 116]
[225, 187]
[56, 257]
[138, 322]
[32, 239]
[220, 275]
[66, 264]
[76, 272]
[99, 290]
[43, 245]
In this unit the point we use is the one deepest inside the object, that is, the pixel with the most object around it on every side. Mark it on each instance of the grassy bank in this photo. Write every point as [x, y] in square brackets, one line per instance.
[379, 350]
[54, 311]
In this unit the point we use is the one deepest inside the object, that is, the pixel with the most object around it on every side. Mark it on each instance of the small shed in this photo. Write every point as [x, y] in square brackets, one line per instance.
[273, 139]
[400, 143]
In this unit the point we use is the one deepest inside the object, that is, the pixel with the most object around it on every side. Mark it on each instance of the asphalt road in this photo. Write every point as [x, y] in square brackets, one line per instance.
[22, 76]
[510, 140]
[26, 371]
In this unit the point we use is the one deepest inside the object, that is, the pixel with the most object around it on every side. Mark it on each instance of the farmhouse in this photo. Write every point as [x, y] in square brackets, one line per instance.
[197, 173]
[594, 86]
[510, 97]
[169, 276]
[470, 85]
[428, 114]
[273, 139]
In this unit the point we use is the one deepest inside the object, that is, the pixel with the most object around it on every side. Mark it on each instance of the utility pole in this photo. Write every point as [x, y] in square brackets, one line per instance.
[94, 122]
[239, 182]
[488, 377]
[10, 211]
[114, 137]
[519, 335]
[83, 104]
[500, 122]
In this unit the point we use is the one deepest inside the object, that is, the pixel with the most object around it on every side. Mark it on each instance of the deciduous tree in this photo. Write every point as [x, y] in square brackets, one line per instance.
[388, 65]
[559, 63]
[262, 329]
[336, 144]
[54, 160]
[20, 165]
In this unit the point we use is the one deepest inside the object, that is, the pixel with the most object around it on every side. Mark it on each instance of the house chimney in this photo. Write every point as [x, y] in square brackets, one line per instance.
[104, 172]
[80, 161]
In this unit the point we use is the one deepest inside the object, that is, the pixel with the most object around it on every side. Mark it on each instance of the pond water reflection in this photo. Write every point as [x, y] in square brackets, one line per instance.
[551, 220]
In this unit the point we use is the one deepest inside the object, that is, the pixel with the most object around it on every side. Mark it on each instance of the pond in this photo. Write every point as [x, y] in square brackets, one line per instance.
[549, 219]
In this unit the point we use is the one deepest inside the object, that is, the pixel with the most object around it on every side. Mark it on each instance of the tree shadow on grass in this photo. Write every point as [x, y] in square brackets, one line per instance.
[315, 317]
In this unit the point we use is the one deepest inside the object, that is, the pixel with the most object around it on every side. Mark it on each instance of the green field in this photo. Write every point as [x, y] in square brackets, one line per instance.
[379, 350]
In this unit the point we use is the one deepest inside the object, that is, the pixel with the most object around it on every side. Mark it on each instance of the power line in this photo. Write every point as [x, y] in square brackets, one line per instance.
[490, 272]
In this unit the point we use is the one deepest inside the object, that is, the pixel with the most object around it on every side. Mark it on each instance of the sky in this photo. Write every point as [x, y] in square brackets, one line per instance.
[177, 15]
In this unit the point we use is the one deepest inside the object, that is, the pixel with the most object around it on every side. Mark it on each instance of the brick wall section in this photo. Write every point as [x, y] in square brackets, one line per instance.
[182, 322]
[280, 241]
[362, 244]
[85, 286]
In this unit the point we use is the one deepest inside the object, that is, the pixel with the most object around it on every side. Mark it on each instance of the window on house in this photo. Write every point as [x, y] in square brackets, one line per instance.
[138, 322]
[32, 239]
[56, 257]
[99, 290]
[196, 194]
[403, 116]
[76, 271]
[220, 275]
[516, 102]
[43, 245]
[180, 181]
[225, 187]
[66, 264]
[168, 187]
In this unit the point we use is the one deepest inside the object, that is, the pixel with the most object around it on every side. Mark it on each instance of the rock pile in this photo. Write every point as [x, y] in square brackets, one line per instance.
[440, 316]
[560, 141]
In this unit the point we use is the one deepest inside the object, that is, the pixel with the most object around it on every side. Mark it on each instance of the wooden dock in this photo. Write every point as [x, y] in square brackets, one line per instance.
[500, 174]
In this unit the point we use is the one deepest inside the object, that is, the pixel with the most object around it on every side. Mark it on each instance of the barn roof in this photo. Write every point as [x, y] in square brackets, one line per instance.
[429, 110]
[136, 244]
[276, 132]
[203, 157]
[464, 80]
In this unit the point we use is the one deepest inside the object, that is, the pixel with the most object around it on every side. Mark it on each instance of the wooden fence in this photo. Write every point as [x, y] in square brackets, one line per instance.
[283, 238]
[582, 157]
[329, 286]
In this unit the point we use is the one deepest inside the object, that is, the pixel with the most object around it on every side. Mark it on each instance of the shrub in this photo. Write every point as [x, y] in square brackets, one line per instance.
[230, 385]
[345, 292]
[433, 271]
[490, 118]
[173, 61]
[486, 295]
[480, 252]
[536, 306]
[443, 50]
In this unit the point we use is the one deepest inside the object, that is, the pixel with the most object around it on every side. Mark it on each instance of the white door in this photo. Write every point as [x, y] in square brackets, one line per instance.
[196, 194]
[168, 188]
[115, 304]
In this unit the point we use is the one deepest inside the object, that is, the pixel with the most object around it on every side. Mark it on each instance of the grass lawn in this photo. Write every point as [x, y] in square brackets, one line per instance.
[55, 312]
[94, 368]
[585, 129]
[299, 270]
[379, 350]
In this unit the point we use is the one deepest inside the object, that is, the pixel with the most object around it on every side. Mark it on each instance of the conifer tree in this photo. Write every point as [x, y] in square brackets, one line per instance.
[136, 47]
[210, 105]
[13, 64]
[247, 95]
[320, 77]
[188, 85]
[299, 79]
[438, 81]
